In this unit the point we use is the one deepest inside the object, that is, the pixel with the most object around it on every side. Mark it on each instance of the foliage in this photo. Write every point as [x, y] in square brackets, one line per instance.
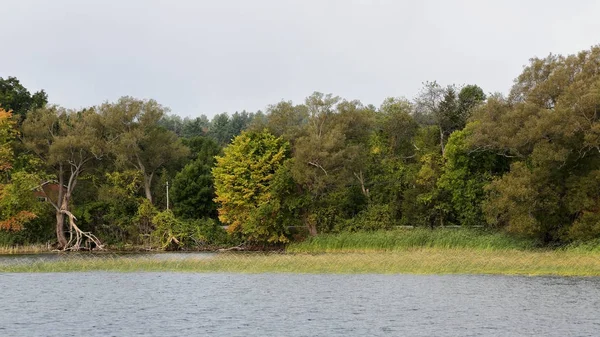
[173, 234]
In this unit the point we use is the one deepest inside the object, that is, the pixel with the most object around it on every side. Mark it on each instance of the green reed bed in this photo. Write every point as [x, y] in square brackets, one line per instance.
[413, 261]
[403, 239]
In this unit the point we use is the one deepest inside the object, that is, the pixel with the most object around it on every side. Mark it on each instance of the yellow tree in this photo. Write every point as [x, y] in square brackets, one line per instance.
[243, 177]
[7, 134]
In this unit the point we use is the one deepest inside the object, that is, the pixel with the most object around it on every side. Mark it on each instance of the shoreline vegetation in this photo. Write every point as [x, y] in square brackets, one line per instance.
[417, 251]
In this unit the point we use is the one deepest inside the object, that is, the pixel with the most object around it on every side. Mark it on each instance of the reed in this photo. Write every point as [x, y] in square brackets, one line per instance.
[402, 239]
[412, 261]
[25, 249]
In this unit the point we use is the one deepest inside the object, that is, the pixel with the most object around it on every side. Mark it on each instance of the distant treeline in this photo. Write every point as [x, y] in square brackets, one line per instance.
[527, 164]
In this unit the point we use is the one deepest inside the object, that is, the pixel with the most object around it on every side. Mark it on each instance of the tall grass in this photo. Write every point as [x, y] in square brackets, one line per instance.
[403, 239]
[416, 261]
[25, 249]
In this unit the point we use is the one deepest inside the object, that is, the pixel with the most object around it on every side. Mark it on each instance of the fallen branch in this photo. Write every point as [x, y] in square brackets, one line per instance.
[76, 235]
[236, 248]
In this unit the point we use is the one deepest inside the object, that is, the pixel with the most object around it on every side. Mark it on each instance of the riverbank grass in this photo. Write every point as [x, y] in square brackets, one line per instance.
[403, 239]
[415, 261]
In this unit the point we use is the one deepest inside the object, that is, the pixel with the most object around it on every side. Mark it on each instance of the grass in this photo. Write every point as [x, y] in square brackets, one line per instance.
[413, 261]
[25, 249]
[413, 251]
[403, 239]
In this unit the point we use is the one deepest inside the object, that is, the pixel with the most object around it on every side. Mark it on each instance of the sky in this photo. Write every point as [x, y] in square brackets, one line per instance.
[208, 57]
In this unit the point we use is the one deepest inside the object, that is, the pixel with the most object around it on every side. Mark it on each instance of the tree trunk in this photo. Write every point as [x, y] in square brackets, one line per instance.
[60, 230]
[442, 140]
[147, 183]
[312, 229]
[311, 226]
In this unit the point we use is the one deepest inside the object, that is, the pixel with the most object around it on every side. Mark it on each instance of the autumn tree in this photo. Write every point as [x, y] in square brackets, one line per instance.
[243, 184]
[7, 136]
[16, 206]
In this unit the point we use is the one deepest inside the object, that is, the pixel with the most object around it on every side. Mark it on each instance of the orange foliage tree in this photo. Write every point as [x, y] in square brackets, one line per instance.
[16, 198]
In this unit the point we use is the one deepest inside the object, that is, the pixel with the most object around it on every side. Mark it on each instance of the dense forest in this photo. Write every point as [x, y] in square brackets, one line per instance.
[130, 174]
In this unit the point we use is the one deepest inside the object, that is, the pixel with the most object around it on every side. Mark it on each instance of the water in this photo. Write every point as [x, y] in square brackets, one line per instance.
[187, 304]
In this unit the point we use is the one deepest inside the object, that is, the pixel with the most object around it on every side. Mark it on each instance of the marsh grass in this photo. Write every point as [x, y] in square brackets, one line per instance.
[412, 261]
[402, 239]
[414, 251]
[26, 249]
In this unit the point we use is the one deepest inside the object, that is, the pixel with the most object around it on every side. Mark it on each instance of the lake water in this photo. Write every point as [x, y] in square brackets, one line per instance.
[188, 304]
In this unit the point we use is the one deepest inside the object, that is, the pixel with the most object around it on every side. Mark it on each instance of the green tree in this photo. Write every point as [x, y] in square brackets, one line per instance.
[465, 174]
[446, 108]
[549, 125]
[286, 119]
[331, 155]
[193, 188]
[68, 142]
[392, 158]
[139, 141]
[14, 96]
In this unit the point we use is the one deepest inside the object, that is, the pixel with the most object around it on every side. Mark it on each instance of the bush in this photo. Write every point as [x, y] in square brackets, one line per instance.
[375, 217]
[173, 234]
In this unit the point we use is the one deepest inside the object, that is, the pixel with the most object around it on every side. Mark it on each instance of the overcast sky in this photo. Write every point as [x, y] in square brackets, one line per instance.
[207, 57]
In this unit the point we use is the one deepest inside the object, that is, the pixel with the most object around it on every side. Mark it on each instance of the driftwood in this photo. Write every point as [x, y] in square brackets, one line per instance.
[231, 249]
[76, 236]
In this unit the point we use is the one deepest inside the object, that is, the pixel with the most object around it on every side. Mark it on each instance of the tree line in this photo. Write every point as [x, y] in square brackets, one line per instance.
[526, 163]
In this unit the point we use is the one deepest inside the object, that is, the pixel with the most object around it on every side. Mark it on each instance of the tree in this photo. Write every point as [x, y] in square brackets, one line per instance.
[224, 128]
[465, 175]
[7, 136]
[243, 177]
[549, 126]
[392, 155]
[331, 152]
[139, 141]
[68, 142]
[286, 119]
[193, 189]
[445, 108]
[14, 96]
[17, 204]
[195, 127]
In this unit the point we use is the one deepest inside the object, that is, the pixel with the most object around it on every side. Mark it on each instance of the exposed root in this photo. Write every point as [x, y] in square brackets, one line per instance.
[77, 236]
